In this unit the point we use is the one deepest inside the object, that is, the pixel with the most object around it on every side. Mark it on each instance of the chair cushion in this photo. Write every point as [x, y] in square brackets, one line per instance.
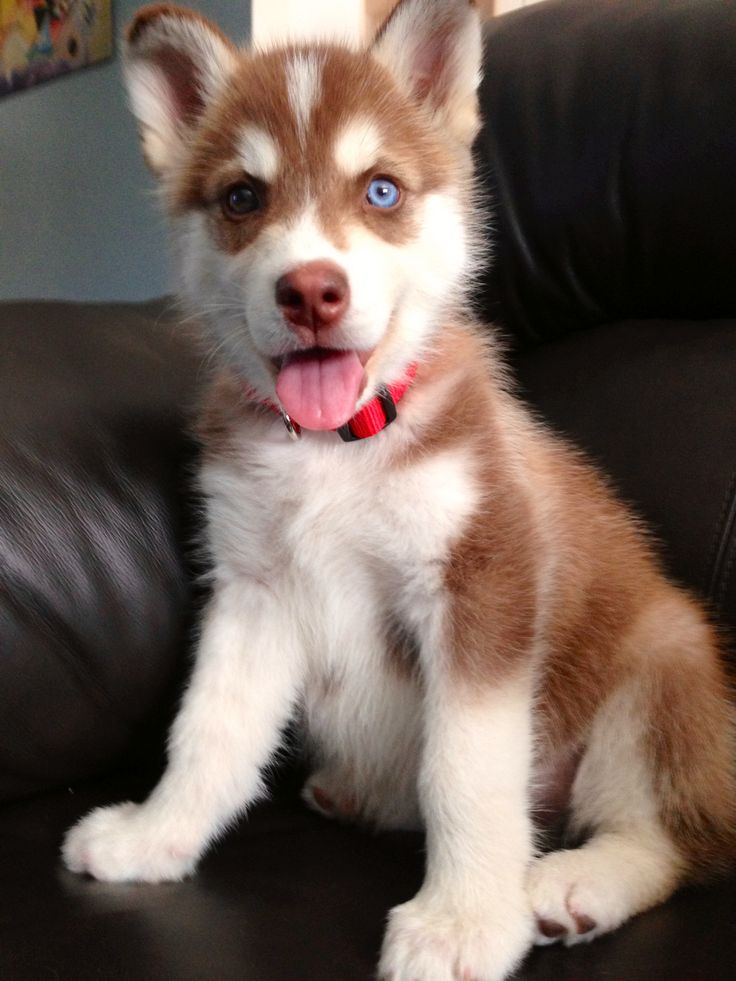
[654, 402]
[94, 596]
[286, 896]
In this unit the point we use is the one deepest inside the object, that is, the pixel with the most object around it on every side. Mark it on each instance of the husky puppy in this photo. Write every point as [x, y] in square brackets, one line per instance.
[465, 621]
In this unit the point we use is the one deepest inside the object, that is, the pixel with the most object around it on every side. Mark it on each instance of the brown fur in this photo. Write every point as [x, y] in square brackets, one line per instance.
[609, 617]
[258, 94]
[610, 613]
[149, 14]
[222, 414]
[691, 737]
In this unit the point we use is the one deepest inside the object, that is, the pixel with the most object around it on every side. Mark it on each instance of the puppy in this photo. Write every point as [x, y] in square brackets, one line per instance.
[465, 621]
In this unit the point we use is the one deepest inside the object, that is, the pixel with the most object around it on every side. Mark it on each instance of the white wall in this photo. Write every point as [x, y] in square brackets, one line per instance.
[77, 216]
[504, 6]
[280, 19]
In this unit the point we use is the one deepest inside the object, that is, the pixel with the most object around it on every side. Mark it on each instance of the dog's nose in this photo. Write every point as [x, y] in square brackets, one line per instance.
[314, 295]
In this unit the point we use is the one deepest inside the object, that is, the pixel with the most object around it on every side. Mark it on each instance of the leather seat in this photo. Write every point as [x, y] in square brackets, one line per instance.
[609, 151]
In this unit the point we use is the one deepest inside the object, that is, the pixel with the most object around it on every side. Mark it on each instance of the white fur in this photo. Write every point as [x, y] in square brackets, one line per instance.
[157, 121]
[613, 876]
[259, 153]
[358, 146]
[303, 80]
[472, 916]
[282, 625]
[409, 288]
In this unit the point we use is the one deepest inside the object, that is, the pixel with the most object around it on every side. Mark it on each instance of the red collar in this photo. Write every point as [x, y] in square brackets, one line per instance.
[372, 419]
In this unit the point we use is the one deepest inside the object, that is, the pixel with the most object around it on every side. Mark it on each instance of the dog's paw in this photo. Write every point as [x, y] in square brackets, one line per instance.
[428, 942]
[570, 903]
[325, 793]
[126, 843]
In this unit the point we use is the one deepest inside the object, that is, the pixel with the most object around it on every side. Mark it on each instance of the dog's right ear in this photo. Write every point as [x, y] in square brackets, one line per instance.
[175, 62]
[434, 50]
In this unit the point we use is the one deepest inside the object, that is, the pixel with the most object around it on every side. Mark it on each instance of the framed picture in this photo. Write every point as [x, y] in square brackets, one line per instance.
[42, 39]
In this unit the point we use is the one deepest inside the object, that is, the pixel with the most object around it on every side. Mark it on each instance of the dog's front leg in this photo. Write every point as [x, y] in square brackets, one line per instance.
[471, 919]
[243, 686]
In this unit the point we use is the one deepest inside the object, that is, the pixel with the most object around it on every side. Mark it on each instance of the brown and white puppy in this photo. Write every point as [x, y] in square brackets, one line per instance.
[464, 619]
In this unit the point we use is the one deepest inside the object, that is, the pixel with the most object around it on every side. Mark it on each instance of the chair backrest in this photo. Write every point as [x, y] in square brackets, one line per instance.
[609, 147]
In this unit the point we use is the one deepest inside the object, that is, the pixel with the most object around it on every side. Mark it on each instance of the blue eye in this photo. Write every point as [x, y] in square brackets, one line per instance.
[383, 193]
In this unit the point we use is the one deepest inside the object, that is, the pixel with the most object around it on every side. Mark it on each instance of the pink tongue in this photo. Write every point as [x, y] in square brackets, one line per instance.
[319, 389]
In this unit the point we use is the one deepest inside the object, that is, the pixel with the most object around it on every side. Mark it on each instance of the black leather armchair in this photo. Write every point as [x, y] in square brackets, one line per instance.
[610, 150]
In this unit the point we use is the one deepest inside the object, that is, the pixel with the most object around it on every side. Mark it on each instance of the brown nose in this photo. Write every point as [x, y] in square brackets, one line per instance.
[314, 295]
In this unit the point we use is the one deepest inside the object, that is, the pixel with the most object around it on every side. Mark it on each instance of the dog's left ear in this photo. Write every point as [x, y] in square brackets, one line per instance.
[175, 61]
[434, 49]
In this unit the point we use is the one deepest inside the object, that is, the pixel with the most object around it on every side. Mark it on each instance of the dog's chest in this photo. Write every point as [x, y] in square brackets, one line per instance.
[329, 513]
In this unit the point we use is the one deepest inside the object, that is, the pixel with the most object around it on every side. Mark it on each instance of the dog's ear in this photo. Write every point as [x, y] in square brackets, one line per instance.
[434, 49]
[175, 61]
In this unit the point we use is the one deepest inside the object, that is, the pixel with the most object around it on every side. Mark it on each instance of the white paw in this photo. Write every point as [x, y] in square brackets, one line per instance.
[430, 942]
[127, 843]
[573, 900]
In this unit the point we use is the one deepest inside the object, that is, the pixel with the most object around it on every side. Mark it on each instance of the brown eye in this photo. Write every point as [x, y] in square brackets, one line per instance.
[240, 200]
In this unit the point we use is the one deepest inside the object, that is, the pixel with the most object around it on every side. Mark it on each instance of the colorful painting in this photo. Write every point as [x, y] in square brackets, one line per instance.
[42, 39]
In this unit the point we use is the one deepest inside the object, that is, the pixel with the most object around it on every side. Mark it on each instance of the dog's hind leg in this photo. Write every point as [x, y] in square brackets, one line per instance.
[365, 733]
[655, 789]
[629, 862]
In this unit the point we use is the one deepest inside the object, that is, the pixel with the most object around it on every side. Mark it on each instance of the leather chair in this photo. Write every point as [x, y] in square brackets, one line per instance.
[610, 153]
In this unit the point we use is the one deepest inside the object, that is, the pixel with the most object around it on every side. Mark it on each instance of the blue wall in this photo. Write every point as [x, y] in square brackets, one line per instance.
[77, 217]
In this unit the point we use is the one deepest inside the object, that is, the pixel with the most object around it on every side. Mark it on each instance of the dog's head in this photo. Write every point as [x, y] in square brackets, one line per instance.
[320, 194]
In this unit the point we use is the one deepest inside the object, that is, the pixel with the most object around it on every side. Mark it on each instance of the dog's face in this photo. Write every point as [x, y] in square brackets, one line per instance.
[320, 194]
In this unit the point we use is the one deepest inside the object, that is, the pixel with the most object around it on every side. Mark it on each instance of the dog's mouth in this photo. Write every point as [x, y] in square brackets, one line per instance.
[320, 387]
